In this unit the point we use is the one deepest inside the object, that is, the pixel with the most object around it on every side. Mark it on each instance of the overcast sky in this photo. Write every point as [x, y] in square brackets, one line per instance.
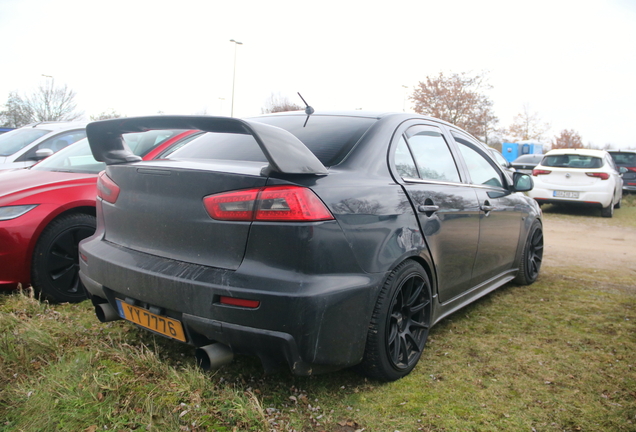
[573, 62]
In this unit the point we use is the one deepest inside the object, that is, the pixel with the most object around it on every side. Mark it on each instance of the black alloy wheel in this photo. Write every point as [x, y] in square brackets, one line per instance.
[532, 256]
[400, 324]
[55, 265]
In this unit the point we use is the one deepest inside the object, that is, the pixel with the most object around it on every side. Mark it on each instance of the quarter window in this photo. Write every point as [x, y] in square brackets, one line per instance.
[404, 161]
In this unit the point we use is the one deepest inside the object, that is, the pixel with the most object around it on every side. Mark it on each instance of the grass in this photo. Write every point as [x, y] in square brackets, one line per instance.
[559, 355]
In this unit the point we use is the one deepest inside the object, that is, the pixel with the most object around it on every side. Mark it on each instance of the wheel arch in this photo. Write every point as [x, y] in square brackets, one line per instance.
[427, 263]
[423, 258]
[60, 212]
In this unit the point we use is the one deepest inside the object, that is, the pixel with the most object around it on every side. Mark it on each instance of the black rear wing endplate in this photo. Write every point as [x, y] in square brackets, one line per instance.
[284, 152]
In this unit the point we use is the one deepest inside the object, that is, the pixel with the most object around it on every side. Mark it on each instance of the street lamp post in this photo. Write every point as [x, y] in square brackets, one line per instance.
[406, 89]
[234, 74]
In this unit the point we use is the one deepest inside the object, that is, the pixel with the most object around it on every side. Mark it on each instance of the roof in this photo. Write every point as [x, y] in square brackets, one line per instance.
[622, 151]
[56, 125]
[584, 152]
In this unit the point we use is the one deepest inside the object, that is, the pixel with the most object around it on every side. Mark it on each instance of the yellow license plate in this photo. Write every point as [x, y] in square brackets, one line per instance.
[157, 323]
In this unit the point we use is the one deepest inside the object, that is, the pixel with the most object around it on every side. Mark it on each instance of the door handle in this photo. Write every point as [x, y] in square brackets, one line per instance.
[487, 207]
[428, 208]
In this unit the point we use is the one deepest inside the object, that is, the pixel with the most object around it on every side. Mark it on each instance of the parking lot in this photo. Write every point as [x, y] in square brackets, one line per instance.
[554, 356]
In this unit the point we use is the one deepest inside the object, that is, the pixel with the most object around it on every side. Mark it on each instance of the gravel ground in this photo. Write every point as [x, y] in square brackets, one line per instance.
[589, 242]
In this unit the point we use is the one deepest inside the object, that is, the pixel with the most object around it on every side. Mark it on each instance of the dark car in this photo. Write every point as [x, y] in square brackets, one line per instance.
[526, 163]
[320, 242]
[626, 159]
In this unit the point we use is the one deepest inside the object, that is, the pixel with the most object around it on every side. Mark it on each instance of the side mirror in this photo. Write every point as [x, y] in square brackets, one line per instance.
[521, 182]
[42, 154]
[622, 170]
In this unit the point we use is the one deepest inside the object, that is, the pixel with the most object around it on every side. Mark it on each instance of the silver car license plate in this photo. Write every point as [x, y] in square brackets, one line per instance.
[565, 194]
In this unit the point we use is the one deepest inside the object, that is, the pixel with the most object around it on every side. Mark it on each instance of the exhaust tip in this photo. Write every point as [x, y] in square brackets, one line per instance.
[213, 356]
[106, 313]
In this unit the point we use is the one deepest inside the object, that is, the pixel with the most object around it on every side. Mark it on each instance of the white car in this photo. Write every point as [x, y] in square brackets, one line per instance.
[578, 177]
[23, 147]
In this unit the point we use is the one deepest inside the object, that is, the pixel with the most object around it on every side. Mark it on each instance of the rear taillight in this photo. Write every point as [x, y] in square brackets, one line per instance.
[633, 169]
[232, 206]
[538, 172]
[290, 203]
[601, 175]
[106, 188]
[274, 203]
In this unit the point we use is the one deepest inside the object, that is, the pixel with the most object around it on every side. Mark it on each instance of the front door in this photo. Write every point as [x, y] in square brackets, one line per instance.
[447, 209]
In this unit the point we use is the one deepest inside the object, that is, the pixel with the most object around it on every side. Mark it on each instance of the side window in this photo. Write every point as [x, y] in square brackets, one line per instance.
[433, 158]
[404, 161]
[58, 142]
[480, 170]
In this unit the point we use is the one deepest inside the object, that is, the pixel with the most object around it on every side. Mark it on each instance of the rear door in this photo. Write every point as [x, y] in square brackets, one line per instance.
[447, 209]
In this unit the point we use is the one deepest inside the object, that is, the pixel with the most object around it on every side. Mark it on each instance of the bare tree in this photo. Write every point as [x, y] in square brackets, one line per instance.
[105, 115]
[568, 139]
[527, 125]
[17, 112]
[47, 103]
[51, 103]
[278, 103]
[459, 99]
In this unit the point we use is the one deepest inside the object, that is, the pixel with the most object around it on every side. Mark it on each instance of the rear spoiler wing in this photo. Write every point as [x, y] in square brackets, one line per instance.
[284, 152]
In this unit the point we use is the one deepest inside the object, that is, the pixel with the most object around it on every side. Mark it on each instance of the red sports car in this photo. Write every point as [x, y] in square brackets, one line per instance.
[46, 210]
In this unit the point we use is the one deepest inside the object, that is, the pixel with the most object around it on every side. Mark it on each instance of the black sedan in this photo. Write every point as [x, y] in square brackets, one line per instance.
[526, 163]
[317, 241]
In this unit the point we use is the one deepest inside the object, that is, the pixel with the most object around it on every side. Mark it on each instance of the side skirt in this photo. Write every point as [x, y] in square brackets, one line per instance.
[445, 309]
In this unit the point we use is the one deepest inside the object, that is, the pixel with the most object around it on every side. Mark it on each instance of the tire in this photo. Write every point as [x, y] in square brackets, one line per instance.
[55, 264]
[532, 256]
[399, 325]
[608, 212]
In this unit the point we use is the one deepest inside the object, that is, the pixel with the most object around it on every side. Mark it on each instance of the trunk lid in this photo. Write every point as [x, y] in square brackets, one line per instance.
[160, 210]
[566, 177]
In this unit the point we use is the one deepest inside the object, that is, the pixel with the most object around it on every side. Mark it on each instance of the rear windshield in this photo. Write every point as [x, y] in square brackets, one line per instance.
[572, 161]
[624, 159]
[533, 158]
[330, 138]
[16, 140]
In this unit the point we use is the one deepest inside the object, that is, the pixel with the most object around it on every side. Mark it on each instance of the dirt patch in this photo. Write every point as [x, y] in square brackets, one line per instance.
[589, 242]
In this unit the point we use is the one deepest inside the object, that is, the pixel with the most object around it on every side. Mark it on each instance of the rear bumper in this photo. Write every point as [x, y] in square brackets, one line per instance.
[595, 197]
[311, 322]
